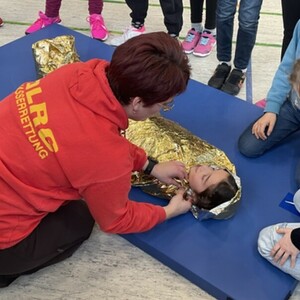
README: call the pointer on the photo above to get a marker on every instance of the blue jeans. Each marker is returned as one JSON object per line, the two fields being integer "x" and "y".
{"x": 267, "y": 239}
{"x": 249, "y": 11}
{"x": 288, "y": 122}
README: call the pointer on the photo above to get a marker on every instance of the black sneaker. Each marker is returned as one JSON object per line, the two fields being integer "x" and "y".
{"x": 234, "y": 82}
{"x": 220, "y": 75}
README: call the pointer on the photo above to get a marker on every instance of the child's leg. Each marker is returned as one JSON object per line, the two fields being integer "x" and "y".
{"x": 210, "y": 16}
{"x": 172, "y": 11}
{"x": 290, "y": 16}
{"x": 288, "y": 121}
{"x": 197, "y": 14}
{"x": 57, "y": 237}
{"x": 139, "y": 11}
{"x": 268, "y": 238}
{"x": 52, "y": 8}
{"x": 95, "y": 7}
{"x": 97, "y": 25}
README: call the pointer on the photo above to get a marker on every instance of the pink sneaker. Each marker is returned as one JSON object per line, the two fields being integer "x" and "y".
{"x": 205, "y": 45}
{"x": 98, "y": 28}
{"x": 42, "y": 22}
{"x": 261, "y": 103}
{"x": 191, "y": 40}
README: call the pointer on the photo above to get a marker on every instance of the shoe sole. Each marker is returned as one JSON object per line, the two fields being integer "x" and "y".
{"x": 205, "y": 54}
{"x": 202, "y": 54}
{"x": 118, "y": 44}
{"x": 115, "y": 45}
{"x": 60, "y": 22}
{"x": 232, "y": 93}
{"x": 188, "y": 51}
{"x": 101, "y": 40}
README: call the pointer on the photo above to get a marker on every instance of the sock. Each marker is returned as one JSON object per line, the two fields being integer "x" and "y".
{"x": 198, "y": 27}
{"x": 137, "y": 25}
{"x": 173, "y": 35}
{"x": 210, "y": 31}
{"x": 243, "y": 70}
{"x": 225, "y": 62}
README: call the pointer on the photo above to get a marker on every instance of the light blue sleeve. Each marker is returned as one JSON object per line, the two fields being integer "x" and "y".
{"x": 281, "y": 85}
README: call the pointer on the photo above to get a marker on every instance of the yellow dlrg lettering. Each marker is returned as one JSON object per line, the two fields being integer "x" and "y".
{"x": 31, "y": 93}
{"x": 41, "y": 113}
{"x": 48, "y": 138}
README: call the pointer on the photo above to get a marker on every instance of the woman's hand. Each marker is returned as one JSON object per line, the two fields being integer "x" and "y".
{"x": 285, "y": 248}
{"x": 264, "y": 126}
{"x": 166, "y": 172}
{"x": 177, "y": 205}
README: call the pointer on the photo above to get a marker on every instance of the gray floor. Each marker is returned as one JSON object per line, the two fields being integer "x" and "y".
{"x": 107, "y": 266}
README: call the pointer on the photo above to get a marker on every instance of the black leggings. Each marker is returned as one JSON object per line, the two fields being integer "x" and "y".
{"x": 290, "y": 15}
{"x": 210, "y": 14}
{"x": 172, "y": 11}
{"x": 56, "y": 238}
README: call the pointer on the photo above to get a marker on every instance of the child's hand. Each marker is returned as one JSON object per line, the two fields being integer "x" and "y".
{"x": 263, "y": 127}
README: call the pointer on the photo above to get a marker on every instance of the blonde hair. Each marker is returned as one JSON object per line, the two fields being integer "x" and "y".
{"x": 295, "y": 75}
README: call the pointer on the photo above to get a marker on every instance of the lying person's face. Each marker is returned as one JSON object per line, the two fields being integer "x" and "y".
{"x": 202, "y": 177}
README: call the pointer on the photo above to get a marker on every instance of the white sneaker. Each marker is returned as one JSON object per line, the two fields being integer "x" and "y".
{"x": 128, "y": 34}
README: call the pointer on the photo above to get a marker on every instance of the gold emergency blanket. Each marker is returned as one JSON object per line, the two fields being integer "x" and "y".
{"x": 166, "y": 140}
{"x": 50, "y": 54}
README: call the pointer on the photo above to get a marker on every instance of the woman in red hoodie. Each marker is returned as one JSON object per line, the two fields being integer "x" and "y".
{"x": 62, "y": 141}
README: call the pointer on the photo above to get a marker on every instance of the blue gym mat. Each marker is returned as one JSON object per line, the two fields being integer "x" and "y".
{"x": 218, "y": 256}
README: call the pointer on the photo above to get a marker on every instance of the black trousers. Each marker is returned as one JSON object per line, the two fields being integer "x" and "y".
{"x": 172, "y": 11}
{"x": 290, "y": 15}
{"x": 210, "y": 13}
{"x": 56, "y": 238}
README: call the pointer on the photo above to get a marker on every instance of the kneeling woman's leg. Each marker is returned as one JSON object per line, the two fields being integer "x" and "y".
{"x": 56, "y": 238}
{"x": 268, "y": 238}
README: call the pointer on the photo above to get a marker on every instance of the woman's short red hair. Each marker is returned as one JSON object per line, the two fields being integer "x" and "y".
{"x": 151, "y": 66}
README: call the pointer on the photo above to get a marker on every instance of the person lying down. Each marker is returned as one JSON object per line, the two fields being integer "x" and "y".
{"x": 212, "y": 184}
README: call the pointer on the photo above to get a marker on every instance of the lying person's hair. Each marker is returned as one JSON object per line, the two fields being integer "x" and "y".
{"x": 216, "y": 194}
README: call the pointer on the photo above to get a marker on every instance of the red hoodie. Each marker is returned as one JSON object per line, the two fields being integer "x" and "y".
{"x": 61, "y": 141}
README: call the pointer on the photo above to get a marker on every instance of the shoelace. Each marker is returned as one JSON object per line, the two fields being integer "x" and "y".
{"x": 39, "y": 21}
{"x": 97, "y": 24}
{"x": 190, "y": 37}
{"x": 204, "y": 40}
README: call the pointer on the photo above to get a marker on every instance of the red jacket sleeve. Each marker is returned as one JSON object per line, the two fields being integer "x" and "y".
{"x": 115, "y": 213}
{"x": 139, "y": 157}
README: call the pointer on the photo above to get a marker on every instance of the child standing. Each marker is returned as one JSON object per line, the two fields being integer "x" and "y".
{"x": 172, "y": 11}
{"x": 201, "y": 40}
{"x": 51, "y": 16}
